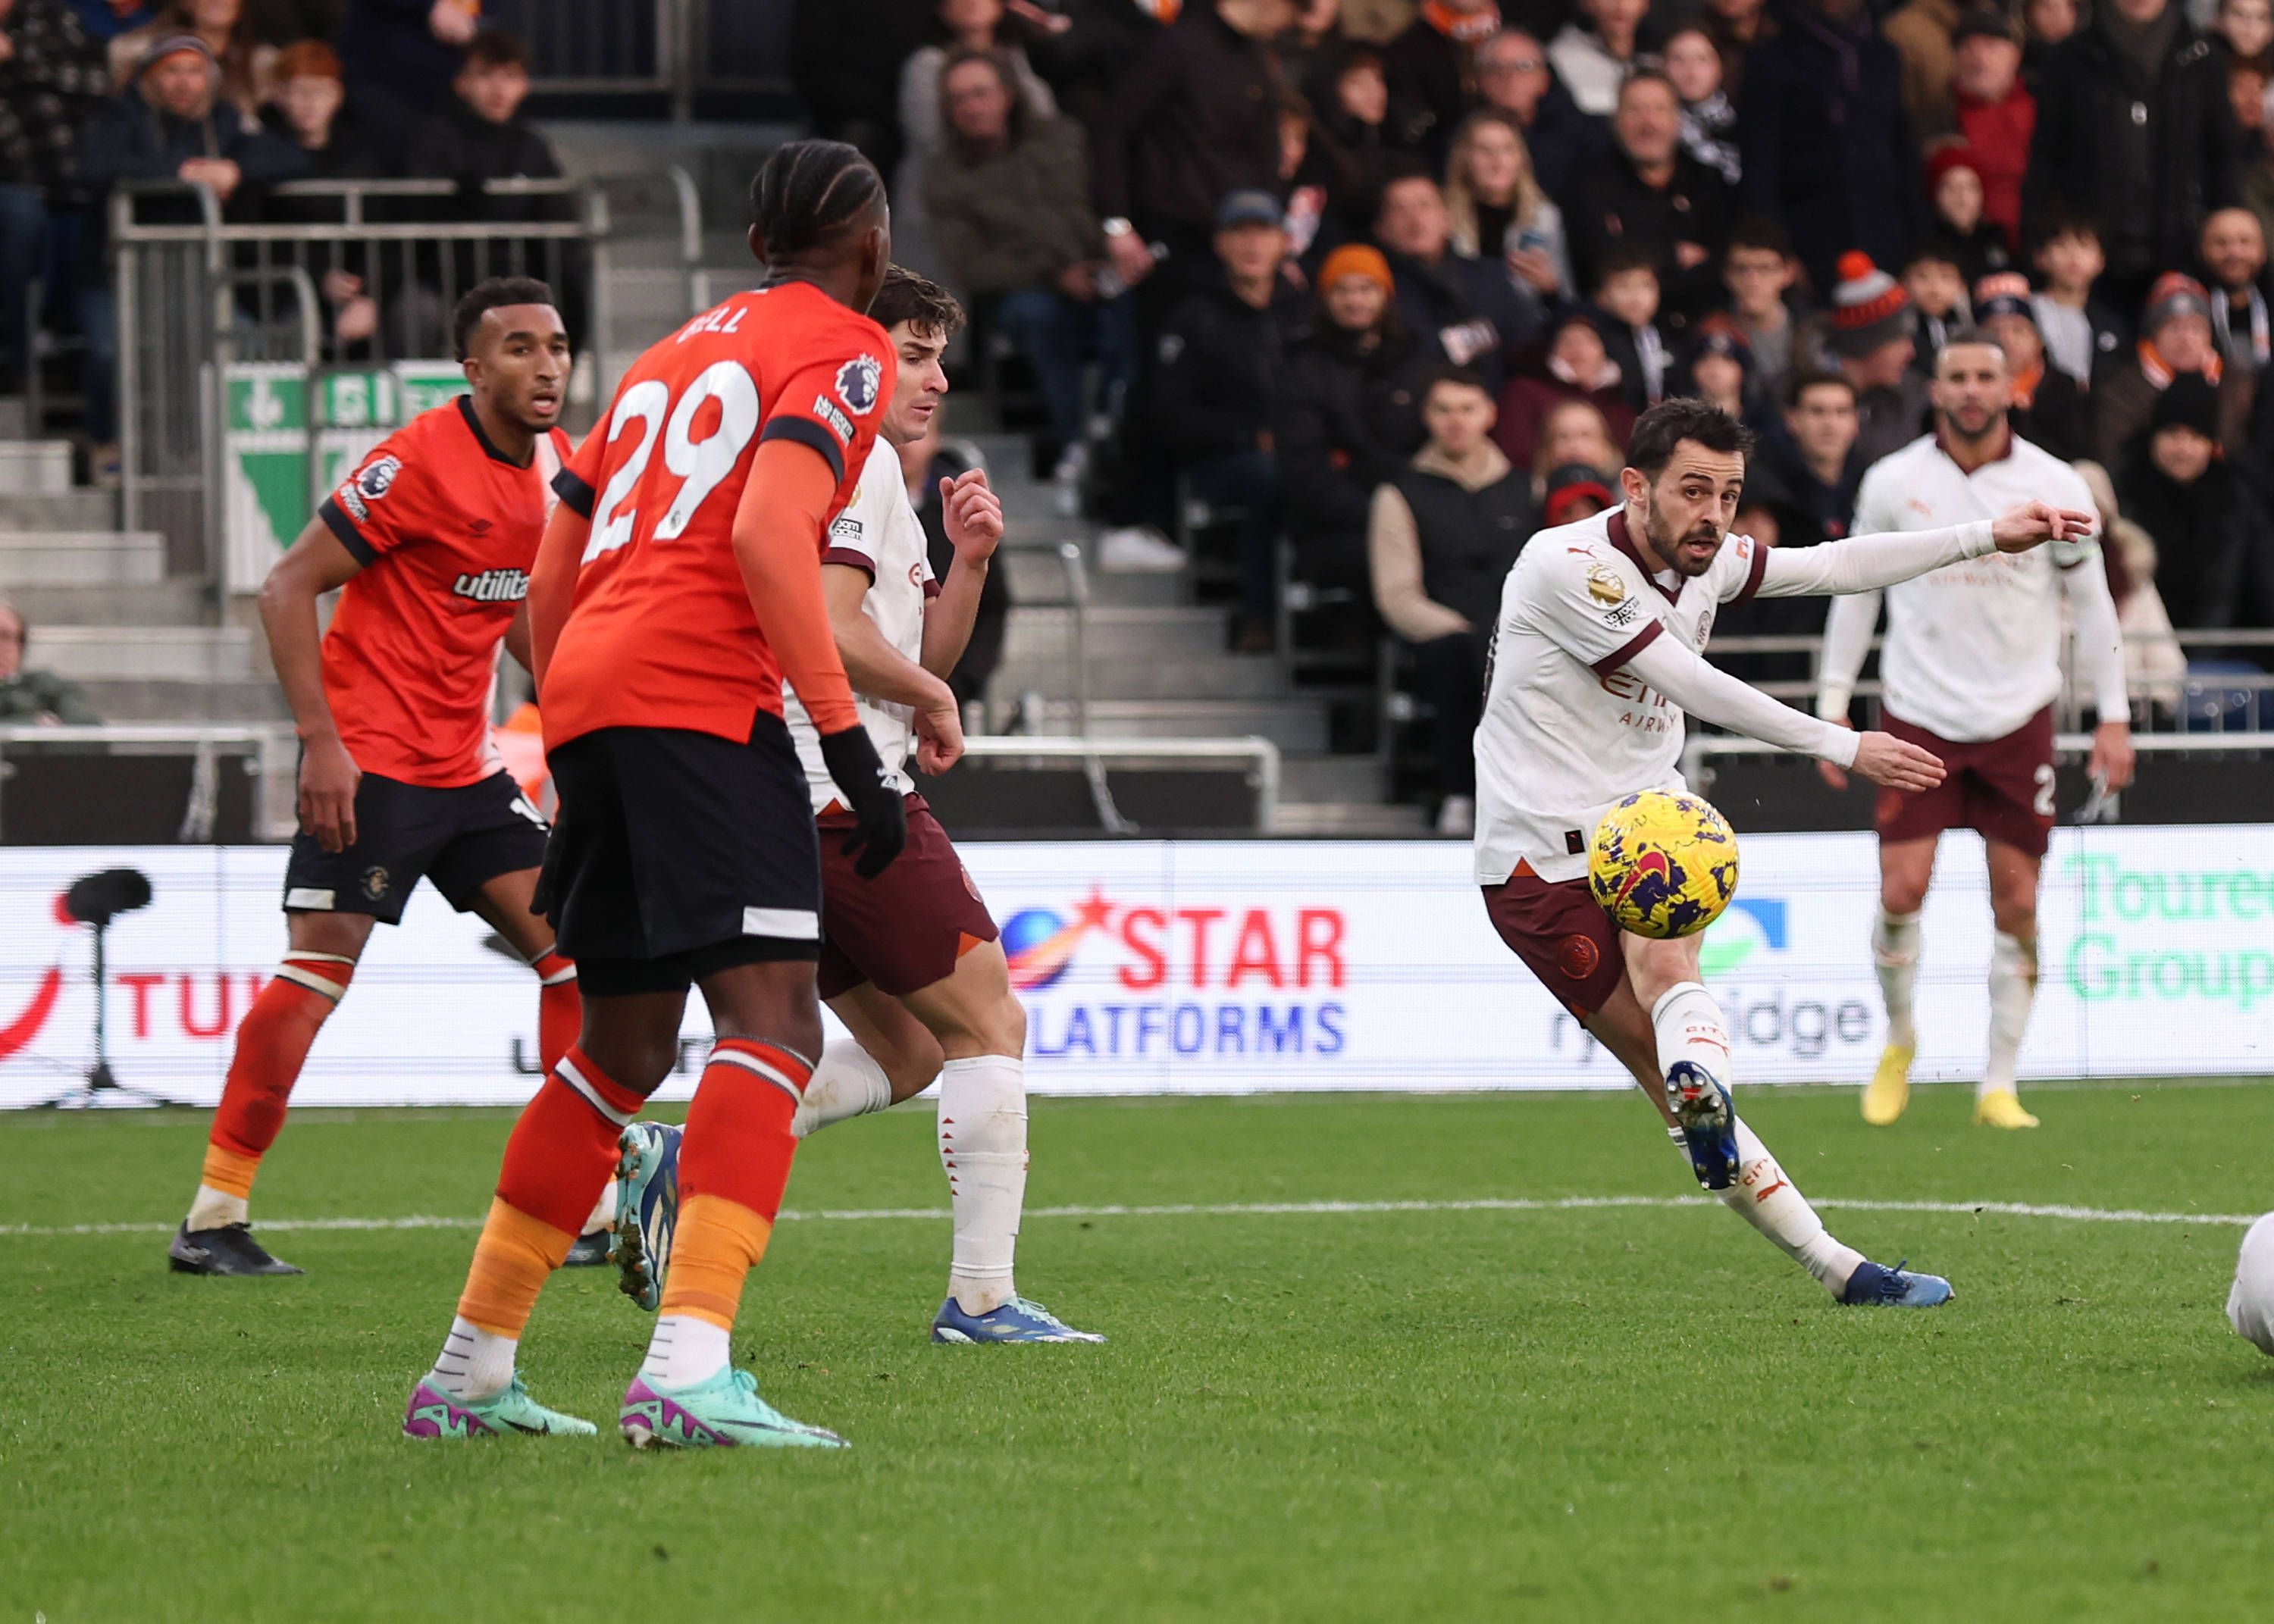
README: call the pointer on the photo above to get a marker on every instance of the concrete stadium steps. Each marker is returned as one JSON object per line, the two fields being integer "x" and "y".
{"x": 1293, "y": 724}
{"x": 74, "y": 509}
{"x": 80, "y": 558}
{"x": 34, "y": 467}
{"x": 1037, "y": 577}
{"x": 1175, "y": 632}
{"x": 243, "y": 699}
{"x": 1222, "y": 677}
{"x": 1349, "y": 820}
{"x": 176, "y": 603}
{"x": 187, "y": 654}
{"x": 15, "y": 418}
{"x": 1352, "y": 779}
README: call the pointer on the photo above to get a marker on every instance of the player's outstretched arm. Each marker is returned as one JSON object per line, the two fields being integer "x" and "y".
{"x": 875, "y": 668}
{"x": 553, "y": 585}
{"x": 776, "y": 538}
{"x": 1866, "y": 563}
{"x": 2100, "y": 650}
{"x": 317, "y": 563}
{"x": 1716, "y": 696}
{"x": 973, "y": 517}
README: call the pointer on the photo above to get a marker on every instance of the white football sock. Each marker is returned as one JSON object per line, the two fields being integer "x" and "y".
{"x": 848, "y": 1082}
{"x": 684, "y": 1350}
{"x": 215, "y": 1209}
{"x": 983, "y": 1145}
{"x": 474, "y": 1364}
{"x": 1766, "y": 1199}
{"x": 1895, "y": 955}
{"x": 604, "y": 1210}
{"x": 1687, "y": 1025}
{"x": 2013, "y": 988}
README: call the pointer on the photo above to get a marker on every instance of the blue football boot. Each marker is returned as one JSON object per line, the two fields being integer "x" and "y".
{"x": 1873, "y": 1286}
{"x": 647, "y": 1210}
{"x": 1708, "y": 1121}
{"x": 1018, "y": 1320}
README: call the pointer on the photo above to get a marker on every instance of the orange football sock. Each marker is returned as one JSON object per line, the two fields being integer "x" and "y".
{"x": 512, "y": 1260}
{"x": 733, "y": 1165}
{"x": 560, "y": 1152}
{"x": 272, "y": 1046}
{"x": 560, "y": 1007}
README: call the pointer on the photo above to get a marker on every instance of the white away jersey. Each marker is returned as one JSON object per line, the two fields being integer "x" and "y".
{"x": 1566, "y": 732}
{"x": 877, "y": 532}
{"x": 1973, "y": 649}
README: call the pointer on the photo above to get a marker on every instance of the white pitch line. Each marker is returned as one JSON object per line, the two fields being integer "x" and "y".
{"x": 1261, "y": 1209}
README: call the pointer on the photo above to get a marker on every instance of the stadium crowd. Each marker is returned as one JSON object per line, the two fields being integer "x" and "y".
{"x": 1293, "y": 248}
{"x": 1277, "y": 245}
{"x": 243, "y": 96}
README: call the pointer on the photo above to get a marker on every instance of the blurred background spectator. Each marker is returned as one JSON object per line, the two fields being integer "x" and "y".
{"x": 1646, "y": 193}
{"x": 1009, "y": 200}
{"x": 1221, "y": 356}
{"x": 962, "y": 26}
{"x": 2051, "y": 408}
{"x": 1871, "y": 347}
{"x": 1759, "y": 276}
{"x": 2233, "y": 257}
{"x": 1575, "y": 365}
{"x": 1993, "y": 113}
{"x": 1596, "y": 51}
{"x": 2085, "y": 335}
{"x": 2175, "y": 340}
{"x": 1468, "y": 312}
{"x": 1709, "y": 118}
{"x": 1513, "y": 76}
{"x": 407, "y": 53}
{"x": 1499, "y": 210}
{"x": 1432, "y": 63}
{"x": 51, "y": 78}
{"x": 2134, "y": 125}
{"x": 1828, "y": 147}
{"x": 1350, "y": 416}
{"x": 248, "y": 65}
{"x": 2214, "y": 547}
{"x": 1442, "y": 536}
{"x": 29, "y": 695}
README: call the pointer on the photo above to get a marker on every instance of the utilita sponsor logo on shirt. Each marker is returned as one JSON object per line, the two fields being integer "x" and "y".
{"x": 1180, "y": 981}
{"x": 493, "y": 586}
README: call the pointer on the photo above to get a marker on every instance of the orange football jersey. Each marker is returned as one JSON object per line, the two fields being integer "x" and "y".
{"x": 446, "y": 527}
{"x": 660, "y": 632}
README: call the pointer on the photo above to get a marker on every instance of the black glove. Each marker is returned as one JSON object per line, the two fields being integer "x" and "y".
{"x": 880, "y": 821}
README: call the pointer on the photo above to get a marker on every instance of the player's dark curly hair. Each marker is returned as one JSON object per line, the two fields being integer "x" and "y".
{"x": 494, "y": 294}
{"x": 923, "y": 304}
{"x": 809, "y": 190}
{"x": 1667, "y": 424}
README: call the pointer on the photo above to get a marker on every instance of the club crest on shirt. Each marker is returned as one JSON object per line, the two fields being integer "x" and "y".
{"x": 859, "y": 382}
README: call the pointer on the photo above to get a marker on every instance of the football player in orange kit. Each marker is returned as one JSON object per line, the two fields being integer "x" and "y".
{"x": 679, "y": 583}
{"x": 429, "y": 543}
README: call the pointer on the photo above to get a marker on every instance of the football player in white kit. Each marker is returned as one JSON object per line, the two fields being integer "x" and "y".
{"x": 1971, "y": 667}
{"x": 1595, "y": 664}
{"x": 911, "y": 961}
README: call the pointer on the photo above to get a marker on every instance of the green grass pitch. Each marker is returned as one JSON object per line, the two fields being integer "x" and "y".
{"x": 1590, "y": 1413}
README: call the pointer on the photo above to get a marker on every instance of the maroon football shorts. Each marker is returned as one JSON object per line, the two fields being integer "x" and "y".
{"x": 1562, "y": 934}
{"x": 907, "y": 928}
{"x": 2000, "y": 788}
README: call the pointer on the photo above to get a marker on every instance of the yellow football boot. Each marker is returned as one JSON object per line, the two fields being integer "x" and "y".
{"x": 1890, "y": 1088}
{"x": 2001, "y": 1110}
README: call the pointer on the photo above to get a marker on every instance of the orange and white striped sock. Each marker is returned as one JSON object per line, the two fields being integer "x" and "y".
{"x": 562, "y": 1151}
{"x": 272, "y": 1046}
{"x": 733, "y": 1164}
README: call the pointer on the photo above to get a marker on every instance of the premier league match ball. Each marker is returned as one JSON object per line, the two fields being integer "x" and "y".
{"x": 1663, "y": 865}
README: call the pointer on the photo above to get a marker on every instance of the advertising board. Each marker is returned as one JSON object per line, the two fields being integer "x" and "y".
{"x": 1161, "y": 967}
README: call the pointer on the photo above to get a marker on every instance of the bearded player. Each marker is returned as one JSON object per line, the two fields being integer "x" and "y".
{"x": 910, "y": 960}
{"x": 679, "y": 583}
{"x": 429, "y": 543}
{"x": 1970, "y": 669}
{"x": 1595, "y": 664}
